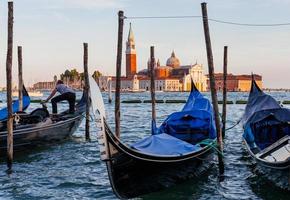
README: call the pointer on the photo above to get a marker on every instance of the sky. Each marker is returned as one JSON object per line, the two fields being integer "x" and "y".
{"x": 52, "y": 32}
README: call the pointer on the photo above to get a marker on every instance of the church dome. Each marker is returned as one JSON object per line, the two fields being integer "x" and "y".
{"x": 173, "y": 61}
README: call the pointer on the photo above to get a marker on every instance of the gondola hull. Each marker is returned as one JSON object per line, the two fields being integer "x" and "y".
{"x": 134, "y": 174}
{"x": 131, "y": 177}
{"x": 267, "y": 135}
{"x": 35, "y": 136}
{"x": 175, "y": 153}
{"x": 278, "y": 173}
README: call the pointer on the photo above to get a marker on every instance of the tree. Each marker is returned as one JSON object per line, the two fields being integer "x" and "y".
{"x": 96, "y": 74}
{"x": 74, "y": 75}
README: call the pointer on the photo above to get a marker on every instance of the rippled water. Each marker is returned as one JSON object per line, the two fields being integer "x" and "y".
{"x": 73, "y": 170}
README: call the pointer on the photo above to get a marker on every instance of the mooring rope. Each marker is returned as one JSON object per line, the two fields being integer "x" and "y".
{"x": 91, "y": 119}
{"x": 209, "y": 142}
{"x": 234, "y": 125}
{"x": 210, "y": 19}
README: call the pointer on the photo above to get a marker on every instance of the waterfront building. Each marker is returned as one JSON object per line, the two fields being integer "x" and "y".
{"x": 103, "y": 82}
{"x": 170, "y": 77}
{"x": 174, "y": 70}
{"x": 161, "y": 84}
{"x": 44, "y": 85}
{"x": 236, "y": 83}
{"x": 127, "y": 84}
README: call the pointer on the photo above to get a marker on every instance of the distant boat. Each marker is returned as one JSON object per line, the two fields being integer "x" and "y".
{"x": 267, "y": 133}
{"x": 39, "y": 128}
{"x": 15, "y": 105}
{"x": 31, "y": 93}
{"x": 180, "y": 149}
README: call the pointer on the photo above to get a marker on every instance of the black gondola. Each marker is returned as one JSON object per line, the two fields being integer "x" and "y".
{"x": 39, "y": 127}
{"x": 15, "y": 105}
{"x": 144, "y": 168}
{"x": 267, "y": 132}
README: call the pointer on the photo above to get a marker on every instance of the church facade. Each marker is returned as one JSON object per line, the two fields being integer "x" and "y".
{"x": 169, "y": 77}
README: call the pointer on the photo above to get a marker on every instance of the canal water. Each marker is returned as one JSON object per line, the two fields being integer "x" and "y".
{"x": 73, "y": 170}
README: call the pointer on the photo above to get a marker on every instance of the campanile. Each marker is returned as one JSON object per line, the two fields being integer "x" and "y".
{"x": 131, "y": 62}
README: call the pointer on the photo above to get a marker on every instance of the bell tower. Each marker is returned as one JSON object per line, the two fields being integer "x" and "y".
{"x": 131, "y": 61}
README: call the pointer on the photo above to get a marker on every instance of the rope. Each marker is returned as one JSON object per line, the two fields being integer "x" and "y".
{"x": 209, "y": 142}
{"x": 210, "y": 19}
{"x": 91, "y": 119}
{"x": 163, "y": 17}
{"x": 234, "y": 125}
{"x": 246, "y": 24}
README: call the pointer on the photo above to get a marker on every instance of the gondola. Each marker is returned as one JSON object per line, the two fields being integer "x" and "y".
{"x": 39, "y": 127}
{"x": 180, "y": 149}
{"x": 267, "y": 132}
{"x": 15, "y": 105}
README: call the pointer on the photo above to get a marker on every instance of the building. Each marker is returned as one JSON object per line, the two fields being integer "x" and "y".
{"x": 131, "y": 59}
{"x": 174, "y": 70}
{"x": 170, "y": 77}
{"x": 127, "y": 84}
{"x": 236, "y": 83}
{"x": 161, "y": 84}
{"x": 47, "y": 85}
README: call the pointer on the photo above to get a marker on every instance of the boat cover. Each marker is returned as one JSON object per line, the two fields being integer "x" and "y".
{"x": 264, "y": 121}
{"x": 188, "y": 127}
{"x": 164, "y": 144}
{"x": 15, "y": 105}
{"x": 258, "y": 101}
{"x": 194, "y": 122}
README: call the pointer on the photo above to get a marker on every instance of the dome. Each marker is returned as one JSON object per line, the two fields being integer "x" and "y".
{"x": 173, "y": 61}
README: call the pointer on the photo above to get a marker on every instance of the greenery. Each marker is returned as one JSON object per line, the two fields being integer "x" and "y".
{"x": 73, "y": 75}
{"x": 96, "y": 74}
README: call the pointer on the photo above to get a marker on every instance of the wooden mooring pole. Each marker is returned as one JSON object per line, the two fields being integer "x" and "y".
{"x": 225, "y": 74}
{"x": 87, "y": 89}
{"x": 20, "y": 78}
{"x": 9, "y": 87}
{"x": 212, "y": 87}
{"x": 152, "y": 78}
{"x": 118, "y": 72}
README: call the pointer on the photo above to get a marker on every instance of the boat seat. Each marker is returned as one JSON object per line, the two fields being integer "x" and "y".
{"x": 36, "y": 116}
{"x": 268, "y": 131}
{"x": 41, "y": 113}
{"x": 277, "y": 152}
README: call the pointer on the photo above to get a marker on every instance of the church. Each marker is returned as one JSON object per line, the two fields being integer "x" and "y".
{"x": 169, "y": 77}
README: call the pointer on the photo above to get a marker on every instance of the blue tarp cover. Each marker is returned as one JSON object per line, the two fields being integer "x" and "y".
{"x": 264, "y": 121}
{"x": 267, "y": 130}
{"x": 15, "y": 107}
{"x": 193, "y": 121}
{"x": 193, "y": 124}
{"x": 258, "y": 101}
{"x": 164, "y": 144}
